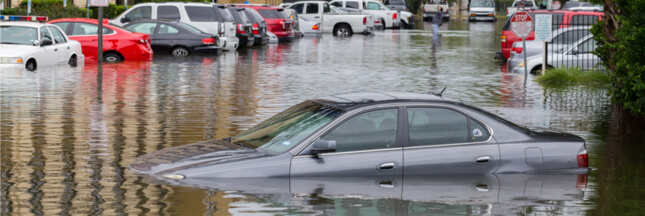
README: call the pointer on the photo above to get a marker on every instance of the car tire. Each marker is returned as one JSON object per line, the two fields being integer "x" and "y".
{"x": 112, "y": 58}
{"x": 73, "y": 61}
{"x": 343, "y": 31}
{"x": 31, "y": 65}
{"x": 180, "y": 52}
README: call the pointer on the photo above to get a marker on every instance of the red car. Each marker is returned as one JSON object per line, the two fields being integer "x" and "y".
{"x": 565, "y": 18}
{"x": 118, "y": 44}
{"x": 276, "y": 21}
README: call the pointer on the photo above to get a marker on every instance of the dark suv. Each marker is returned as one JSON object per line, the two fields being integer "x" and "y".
{"x": 242, "y": 26}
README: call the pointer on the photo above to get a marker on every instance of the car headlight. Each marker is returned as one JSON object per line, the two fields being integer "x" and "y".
{"x": 174, "y": 176}
{"x": 521, "y": 64}
{"x": 10, "y": 60}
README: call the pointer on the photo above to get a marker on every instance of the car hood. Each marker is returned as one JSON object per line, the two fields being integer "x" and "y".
{"x": 482, "y": 9}
{"x": 14, "y": 50}
{"x": 191, "y": 156}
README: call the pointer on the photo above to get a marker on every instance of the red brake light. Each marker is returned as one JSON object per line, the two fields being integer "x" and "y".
{"x": 240, "y": 29}
{"x": 394, "y": 16}
{"x": 583, "y": 159}
{"x": 256, "y": 29}
{"x": 315, "y": 27}
{"x": 209, "y": 40}
{"x": 517, "y": 50}
{"x": 364, "y": 20}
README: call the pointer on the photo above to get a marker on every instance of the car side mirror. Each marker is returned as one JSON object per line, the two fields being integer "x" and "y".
{"x": 323, "y": 146}
{"x": 36, "y": 43}
{"x": 46, "y": 42}
{"x": 125, "y": 20}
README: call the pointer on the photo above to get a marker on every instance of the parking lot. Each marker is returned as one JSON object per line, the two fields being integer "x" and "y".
{"x": 69, "y": 134}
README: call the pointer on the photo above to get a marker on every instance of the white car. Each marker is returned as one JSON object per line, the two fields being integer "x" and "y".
{"x": 333, "y": 21}
{"x": 579, "y": 54}
{"x": 389, "y": 18}
{"x": 482, "y": 10}
{"x": 31, "y": 45}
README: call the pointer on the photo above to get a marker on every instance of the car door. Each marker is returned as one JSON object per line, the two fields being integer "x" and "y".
{"x": 63, "y": 48}
{"x": 584, "y": 57}
{"x": 166, "y": 37}
{"x": 147, "y": 28}
{"x": 49, "y": 53}
{"x": 87, "y": 35}
{"x": 444, "y": 140}
{"x": 367, "y": 144}
{"x": 313, "y": 12}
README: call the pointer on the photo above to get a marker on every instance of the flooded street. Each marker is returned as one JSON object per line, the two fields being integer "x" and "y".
{"x": 68, "y": 135}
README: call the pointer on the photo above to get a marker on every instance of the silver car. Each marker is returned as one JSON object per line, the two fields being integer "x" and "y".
{"x": 561, "y": 38}
{"x": 579, "y": 54}
{"x": 373, "y": 134}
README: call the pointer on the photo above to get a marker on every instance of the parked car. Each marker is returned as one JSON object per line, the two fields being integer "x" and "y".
{"x": 373, "y": 134}
{"x": 528, "y": 5}
{"x": 31, "y": 45}
{"x": 482, "y": 10}
{"x": 276, "y": 21}
{"x": 579, "y": 54}
{"x": 202, "y": 16}
{"x": 175, "y": 38}
{"x": 389, "y": 18}
{"x": 336, "y": 22}
{"x": 258, "y": 27}
{"x": 430, "y": 8}
{"x": 118, "y": 44}
{"x": 561, "y": 19}
{"x": 308, "y": 27}
{"x": 243, "y": 26}
{"x": 561, "y": 38}
{"x": 295, "y": 19}
{"x": 397, "y": 5}
{"x": 573, "y": 4}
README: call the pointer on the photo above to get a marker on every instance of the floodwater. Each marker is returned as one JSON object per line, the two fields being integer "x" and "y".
{"x": 68, "y": 135}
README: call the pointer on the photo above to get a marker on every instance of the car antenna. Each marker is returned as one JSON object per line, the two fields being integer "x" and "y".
{"x": 440, "y": 93}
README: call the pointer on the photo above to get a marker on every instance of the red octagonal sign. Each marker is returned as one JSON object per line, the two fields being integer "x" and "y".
{"x": 521, "y": 24}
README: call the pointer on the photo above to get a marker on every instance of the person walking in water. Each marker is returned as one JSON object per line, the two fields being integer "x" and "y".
{"x": 436, "y": 21}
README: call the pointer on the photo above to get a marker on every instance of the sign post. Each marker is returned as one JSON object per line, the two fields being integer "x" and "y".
{"x": 28, "y": 7}
{"x": 100, "y": 4}
{"x": 543, "y": 32}
{"x": 521, "y": 26}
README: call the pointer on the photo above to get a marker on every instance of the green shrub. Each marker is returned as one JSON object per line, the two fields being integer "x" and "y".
{"x": 53, "y": 9}
{"x": 109, "y": 12}
{"x": 558, "y": 77}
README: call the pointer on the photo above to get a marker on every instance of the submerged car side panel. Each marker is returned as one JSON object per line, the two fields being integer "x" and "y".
{"x": 267, "y": 166}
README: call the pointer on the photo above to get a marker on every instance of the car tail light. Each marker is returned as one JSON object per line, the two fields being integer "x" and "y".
{"x": 507, "y": 11}
{"x": 209, "y": 41}
{"x": 256, "y": 29}
{"x": 503, "y": 41}
{"x": 583, "y": 159}
{"x": 377, "y": 21}
{"x": 240, "y": 29}
{"x": 517, "y": 50}
{"x": 394, "y": 16}
{"x": 364, "y": 20}
{"x": 315, "y": 27}
{"x": 142, "y": 41}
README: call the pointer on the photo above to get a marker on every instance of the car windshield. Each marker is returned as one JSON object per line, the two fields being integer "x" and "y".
{"x": 288, "y": 128}
{"x": 436, "y": 2}
{"x": 481, "y": 3}
{"x": 18, "y": 35}
{"x": 526, "y": 3}
{"x": 396, "y": 2}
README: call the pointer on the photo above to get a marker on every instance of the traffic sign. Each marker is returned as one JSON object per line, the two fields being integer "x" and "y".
{"x": 521, "y": 24}
{"x": 543, "y": 27}
{"x": 99, "y": 3}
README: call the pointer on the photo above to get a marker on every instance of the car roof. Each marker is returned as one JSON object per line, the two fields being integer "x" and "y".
{"x": 22, "y": 23}
{"x": 354, "y": 100}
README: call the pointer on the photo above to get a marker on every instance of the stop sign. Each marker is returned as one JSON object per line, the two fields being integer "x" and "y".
{"x": 521, "y": 24}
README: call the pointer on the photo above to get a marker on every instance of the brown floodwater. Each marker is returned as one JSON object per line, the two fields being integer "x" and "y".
{"x": 68, "y": 134}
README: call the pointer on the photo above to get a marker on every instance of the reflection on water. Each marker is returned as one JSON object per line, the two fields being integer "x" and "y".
{"x": 68, "y": 135}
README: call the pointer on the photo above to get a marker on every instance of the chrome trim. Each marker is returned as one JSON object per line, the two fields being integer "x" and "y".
{"x": 350, "y": 152}
{"x": 317, "y": 135}
{"x": 389, "y": 165}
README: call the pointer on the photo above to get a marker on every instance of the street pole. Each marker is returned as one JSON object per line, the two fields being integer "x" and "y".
{"x": 526, "y": 65}
{"x": 100, "y": 41}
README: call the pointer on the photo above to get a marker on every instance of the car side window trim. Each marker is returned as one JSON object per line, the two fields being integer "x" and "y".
{"x": 400, "y": 133}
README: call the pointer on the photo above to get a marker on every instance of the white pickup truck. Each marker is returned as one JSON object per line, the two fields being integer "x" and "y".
{"x": 382, "y": 14}
{"x": 529, "y": 4}
{"x": 336, "y": 22}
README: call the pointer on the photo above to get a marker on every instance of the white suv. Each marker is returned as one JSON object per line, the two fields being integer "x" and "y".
{"x": 210, "y": 18}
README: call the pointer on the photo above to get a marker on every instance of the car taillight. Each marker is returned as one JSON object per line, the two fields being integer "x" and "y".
{"x": 503, "y": 41}
{"x": 240, "y": 29}
{"x": 256, "y": 29}
{"x": 507, "y": 11}
{"x": 583, "y": 159}
{"x": 315, "y": 27}
{"x": 209, "y": 41}
{"x": 142, "y": 41}
{"x": 377, "y": 21}
{"x": 394, "y": 16}
{"x": 517, "y": 50}
{"x": 364, "y": 20}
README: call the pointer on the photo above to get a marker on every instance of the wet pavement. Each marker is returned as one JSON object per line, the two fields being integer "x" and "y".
{"x": 68, "y": 134}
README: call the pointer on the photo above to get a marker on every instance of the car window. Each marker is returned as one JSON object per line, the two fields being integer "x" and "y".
{"x": 166, "y": 29}
{"x": 326, "y": 8}
{"x": 146, "y": 28}
{"x": 190, "y": 28}
{"x": 44, "y": 33}
{"x": 144, "y": 12}
{"x": 584, "y": 20}
{"x": 62, "y": 25}
{"x": 312, "y": 8}
{"x": 270, "y": 14}
{"x": 201, "y": 14}
{"x": 337, "y": 4}
{"x": 587, "y": 46}
{"x": 168, "y": 13}
{"x": 58, "y": 36}
{"x": 373, "y": 6}
{"x": 477, "y": 131}
{"x": 481, "y": 3}
{"x": 18, "y": 35}
{"x": 434, "y": 126}
{"x": 88, "y": 29}
{"x": 571, "y": 36}
{"x": 352, "y": 4}
{"x": 298, "y": 7}
{"x": 370, "y": 130}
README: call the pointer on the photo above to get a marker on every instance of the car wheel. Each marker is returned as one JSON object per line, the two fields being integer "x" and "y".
{"x": 31, "y": 65}
{"x": 72, "y": 61}
{"x": 180, "y": 52}
{"x": 343, "y": 31}
{"x": 112, "y": 58}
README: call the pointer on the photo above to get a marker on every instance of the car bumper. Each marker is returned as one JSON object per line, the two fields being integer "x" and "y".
{"x": 430, "y": 15}
{"x": 368, "y": 30}
{"x": 244, "y": 40}
{"x": 286, "y": 39}
{"x": 259, "y": 40}
{"x": 207, "y": 49}
{"x": 482, "y": 18}
{"x": 396, "y": 24}
{"x": 230, "y": 44}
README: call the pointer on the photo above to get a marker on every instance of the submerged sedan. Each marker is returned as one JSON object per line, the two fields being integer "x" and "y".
{"x": 373, "y": 134}
{"x": 175, "y": 38}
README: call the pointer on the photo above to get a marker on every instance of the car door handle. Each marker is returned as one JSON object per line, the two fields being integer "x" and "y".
{"x": 482, "y": 159}
{"x": 56, "y": 50}
{"x": 67, "y": 47}
{"x": 387, "y": 166}
{"x": 316, "y": 17}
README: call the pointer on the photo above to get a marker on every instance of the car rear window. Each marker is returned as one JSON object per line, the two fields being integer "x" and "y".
{"x": 226, "y": 15}
{"x": 201, "y": 14}
{"x": 270, "y": 14}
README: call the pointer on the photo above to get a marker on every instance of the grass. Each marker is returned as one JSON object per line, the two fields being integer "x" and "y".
{"x": 558, "y": 77}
